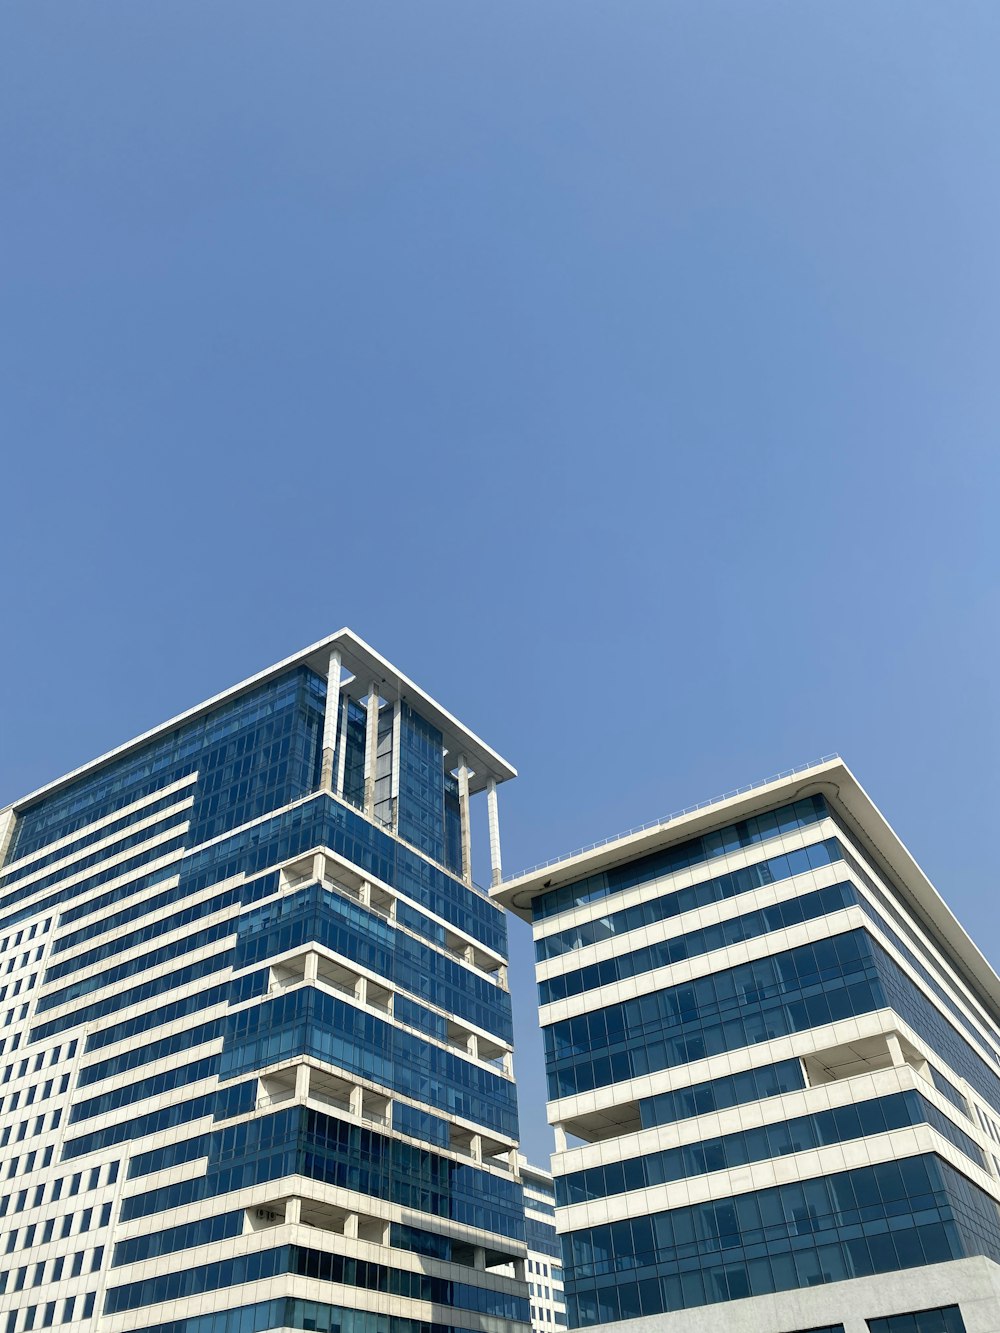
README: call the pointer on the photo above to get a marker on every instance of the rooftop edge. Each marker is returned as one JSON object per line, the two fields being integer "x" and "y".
{"x": 359, "y": 660}
{"x": 830, "y": 778}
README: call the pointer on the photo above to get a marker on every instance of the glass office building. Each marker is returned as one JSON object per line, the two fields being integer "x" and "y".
{"x": 544, "y": 1263}
{"x": 255, "y": 1031}
{"x": 773, "y": 1062}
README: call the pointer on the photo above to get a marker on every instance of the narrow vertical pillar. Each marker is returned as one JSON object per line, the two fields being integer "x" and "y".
{"x": 330, "y": 719}
{"x": 301, "y": 1082}
{"x": 494, "y": 816}
{"x": 7, "y": 821}
{"x": 560, "y": 1137}
{"x": 895, "y": 1050}
{"x": 397, "y": 710}
{"x": 357, "y": 1101}
{"x": 293, "y": 1211}
{"x": 351, "y": 1226}
{"x": 463, "y": 810}
{"x": 342, "y": 751}
{"x": 371, "y": 750}
{"x": 311, "y": 970}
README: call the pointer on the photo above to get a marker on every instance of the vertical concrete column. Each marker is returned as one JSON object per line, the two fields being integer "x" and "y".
{"x": 351, "y": 1225}
{"x": 895, "y": 1050}
{"x": 7, "y": 821}
{"x": 560, "y": 1135}
{"x": 311, "y": 972}
{"x": 342, "y": 750}
{"x": 476, "y": 1147}
{"x": 397, "y": 710}
{"x": 361, "y": 990}
{"x": 463, "y": 810}
{"x": 371, "y": 749}
{"x": 293, "y": 1211}
{"x": 301, "y": 1082}
{"x": 357, "y": 1101}
{"x": 330, "y": 719}
{"x": 319, "y": 867}
{"x": 494, "y": 816}
{"x": 472, "y": 1045}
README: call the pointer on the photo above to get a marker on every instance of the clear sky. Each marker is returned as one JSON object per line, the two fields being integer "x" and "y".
{"x": 627, "y": 372}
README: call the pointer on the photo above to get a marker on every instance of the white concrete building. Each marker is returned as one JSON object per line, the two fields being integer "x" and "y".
{"x": 774, "y": 1074}
{"x": 255, "y": 1035}
{"x": 544, "y": 1263}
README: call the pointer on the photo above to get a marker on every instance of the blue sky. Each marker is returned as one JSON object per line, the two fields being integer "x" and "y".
{"x": 627, "y": 373}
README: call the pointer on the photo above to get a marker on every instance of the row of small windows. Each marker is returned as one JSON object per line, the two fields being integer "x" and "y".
{"x": 41, "y": 1060}
{"x": 16, "y": 1015}
{"x": 33, "y": 1126}
{"x": 35, "y": 1092}
{"x": 541, "y": 1315}
{"x": 15, "y": 961}
{"x": 21, "y": 1165}
{"x": 544, "y": 1270}
{"x": 51, "y": 1270}
{"x": 542, "y": 1291}
{"x": 51, "y": 1313}
{"x": 24, "y": 936}
{"x": 70, "y": 1224}
{"x": 50, "y": 1191}
{"x": 14, "y": 988}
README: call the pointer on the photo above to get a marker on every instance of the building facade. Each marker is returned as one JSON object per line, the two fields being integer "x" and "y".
{"x": 544, "y": 1264}
{"x": 255, "y": 1031}
{"x": 773, "y": 1059}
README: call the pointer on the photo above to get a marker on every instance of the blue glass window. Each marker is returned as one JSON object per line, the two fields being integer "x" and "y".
{"x": 681, "y": 856}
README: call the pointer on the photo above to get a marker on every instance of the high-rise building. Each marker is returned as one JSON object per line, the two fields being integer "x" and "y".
{"x": 773, "y": 1061}
{"x": 544, "y": 1263}
{"x": 255, "y": 1032}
